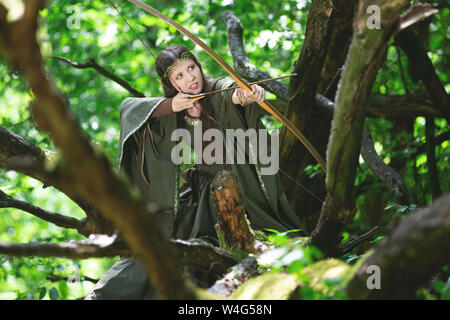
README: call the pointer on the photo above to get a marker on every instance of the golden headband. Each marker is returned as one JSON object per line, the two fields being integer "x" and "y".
{"x": 184, "y": 56}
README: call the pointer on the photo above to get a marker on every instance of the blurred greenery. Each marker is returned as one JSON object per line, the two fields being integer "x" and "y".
{"x": 273, "y": 34}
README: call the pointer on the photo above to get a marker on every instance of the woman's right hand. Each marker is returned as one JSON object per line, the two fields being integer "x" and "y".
{"x": 181, "y": 102}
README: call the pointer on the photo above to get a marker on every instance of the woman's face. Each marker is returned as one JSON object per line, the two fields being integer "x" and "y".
{"x": 187, "y": 77}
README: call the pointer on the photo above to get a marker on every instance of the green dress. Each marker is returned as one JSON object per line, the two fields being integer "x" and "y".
{"x": 187, "y": 211}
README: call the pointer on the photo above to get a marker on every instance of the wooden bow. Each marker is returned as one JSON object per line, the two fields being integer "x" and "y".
{"x": 241, "y": 82}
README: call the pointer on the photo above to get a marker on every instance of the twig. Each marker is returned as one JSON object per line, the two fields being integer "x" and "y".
{"x": 94, "y": 65}
{"x": 353, "y": 243}
{"x": 57, "y": 219}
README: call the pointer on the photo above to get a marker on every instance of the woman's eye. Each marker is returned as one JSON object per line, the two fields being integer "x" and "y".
{"x": 179, "y": 76}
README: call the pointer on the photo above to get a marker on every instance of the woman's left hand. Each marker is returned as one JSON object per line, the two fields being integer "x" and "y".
{"x": 242, "y": 97}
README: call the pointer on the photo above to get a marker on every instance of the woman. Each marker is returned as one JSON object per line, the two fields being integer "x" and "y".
{"x": 146, "y": 155}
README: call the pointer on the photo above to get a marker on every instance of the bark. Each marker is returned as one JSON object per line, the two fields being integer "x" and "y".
{"x": 341, "y": 33}
{"x": 367, "y": 49}
{"x": 241, "y": 61}
{"x": 302, "y": 92}
{"x": 417, "y": 248}
{"x": 17, "y": 153}
{"x": 400, "y": 107}
{"x": 235, "y": 277}
{"x": 84, "y": 170}
{"x": 55, "y": 218}
{"x": 203, "y": 256}
{"x": 194, "y": 254}
{"x": 70, "y": 250}
{"x": 233, "y": 228}
{"x": 374, "y": 205}
{"x": 351, "y": 244}
{"x": 386, "y": 174}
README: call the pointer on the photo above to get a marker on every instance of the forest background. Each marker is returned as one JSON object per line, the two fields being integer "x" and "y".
{"x": 273, "y": 35}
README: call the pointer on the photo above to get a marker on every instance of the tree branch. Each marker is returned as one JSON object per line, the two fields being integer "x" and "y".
{"x": 195, "y": 254}
{"x": 383, "y": 106}
{"x": 203, "y": 256}
{"x": 57, "y": 219}
{"x": 94, "y": 65}
{"x": 400, "y": 106}
{"x": 416, "y": 249}
{"x": 356, "y": 241}
{"x": 240, "y": 58}
{"x": 235, "y": 276}
{"x": 386, "y": 174}
{"x": 70, "y": 250}
{"x": 16, "y": 153}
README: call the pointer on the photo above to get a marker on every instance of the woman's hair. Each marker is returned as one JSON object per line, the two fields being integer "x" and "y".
{"x": 167, "y": 58}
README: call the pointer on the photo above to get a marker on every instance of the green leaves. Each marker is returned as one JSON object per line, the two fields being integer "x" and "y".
{"x": 442, "y": 288}
{"x": 279, "y": 238}
{"x": 288, "y": 254}
{"x": 42, "y": 292}
{"x": 53, "y": 293}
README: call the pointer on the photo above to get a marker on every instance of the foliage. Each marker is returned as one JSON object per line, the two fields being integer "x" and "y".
{"x": 318, "y": 278}
{"x": 273, "y": 35}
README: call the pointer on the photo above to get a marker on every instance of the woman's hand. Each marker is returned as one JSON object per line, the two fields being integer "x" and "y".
{"x": 181, "y": 102}
{"x": 242, "y": 97}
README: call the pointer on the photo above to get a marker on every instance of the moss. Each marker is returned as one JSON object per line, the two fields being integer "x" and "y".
{"x": 270, "y": 286}
{"x": 326, "y": 276}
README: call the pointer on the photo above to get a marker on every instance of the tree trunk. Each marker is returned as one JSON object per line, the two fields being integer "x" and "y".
{"x": 233, "y": 228}
{"x": 367, "y": 49}
{"x": 302, "y": 91}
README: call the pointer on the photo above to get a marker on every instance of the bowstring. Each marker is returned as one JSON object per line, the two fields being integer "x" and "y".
{"x": 134, "y": 31}
{"x": 202, "y": 111}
